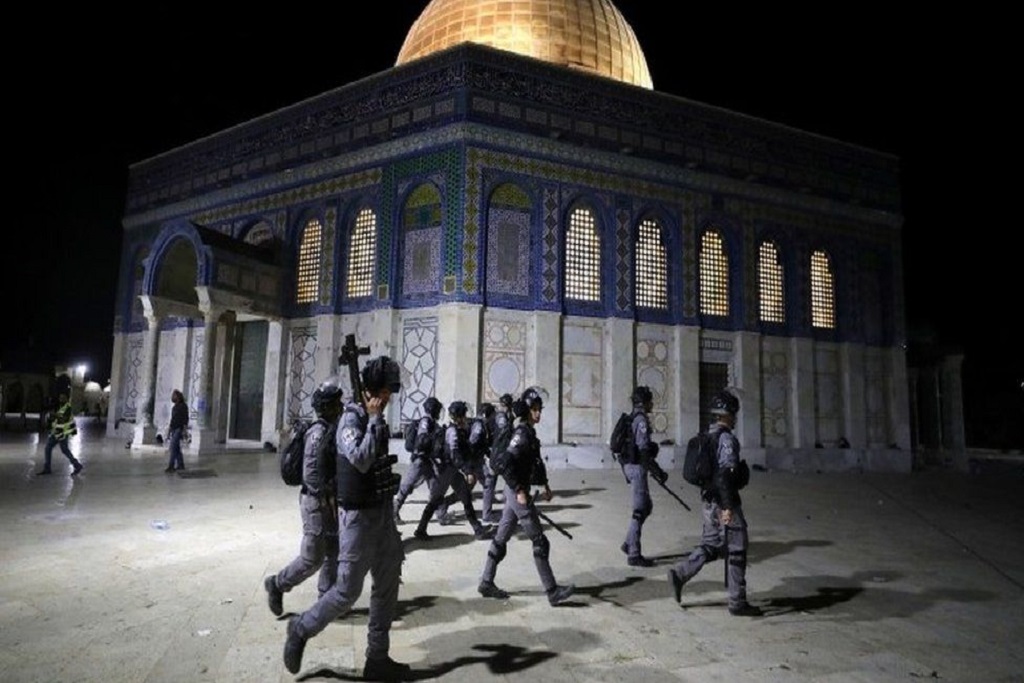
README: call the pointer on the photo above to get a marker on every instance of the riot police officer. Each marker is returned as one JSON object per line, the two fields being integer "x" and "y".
{"x": 637, "y": 460}
{"x": 724, "y": 526}
{"x": 368, "y": 537}
{"x": 521, "y": 465}
{"x": 317, "y": 506}
{"x": 456, "y": 471}
{"x": 421, "y": 464}
{"x": 481, "y": 434}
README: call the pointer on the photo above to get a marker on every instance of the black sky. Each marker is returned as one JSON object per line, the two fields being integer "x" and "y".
{"x": 117, "y": 89}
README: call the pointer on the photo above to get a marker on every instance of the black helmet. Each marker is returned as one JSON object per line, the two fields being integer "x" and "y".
{"x": 486, "y": 410}
{"x": 381, "y": 373}
{"x": 641, "y": 395}
{"x": 457, "y": 409}
{"x": 532, "y": 398}
{"x": 433, "y": 407}
{"x": 328, "y": 392}
{"x": 519, "y": 408}
{"x": 506, "y": 400}
{"x": 724, "y": 403}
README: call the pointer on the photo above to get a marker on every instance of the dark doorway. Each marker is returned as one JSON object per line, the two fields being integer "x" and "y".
{"x": 713, "y": 378}
{"x": 249, "y": 368}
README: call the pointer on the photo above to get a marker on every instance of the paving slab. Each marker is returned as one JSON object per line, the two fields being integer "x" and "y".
{"x": 125, "y": 573}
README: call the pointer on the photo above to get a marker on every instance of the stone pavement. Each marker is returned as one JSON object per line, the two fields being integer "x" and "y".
{"x": 125, "y": 573}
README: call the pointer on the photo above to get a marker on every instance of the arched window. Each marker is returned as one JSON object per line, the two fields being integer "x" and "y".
{"x": 362, "y": 254}
{"x": 823, "y": 302}
{"x": 508, "y": 241}
{"x": 714, "y": 275}
{"x": 582, "y": 257}
{"x": 651, "y": 266}
{"x": 307, "y": 276}
{"x": 772, "y": 296}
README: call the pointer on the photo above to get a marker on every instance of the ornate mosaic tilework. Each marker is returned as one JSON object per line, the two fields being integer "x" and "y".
{"x": 692, "y": 205}
{"x": 504, "y": 354}
{"x": 653, "y": 369}
{"x": 471, "y": 229}
{"x": 327, "y": 269}
{"x": 422, "y": 263}
{"x": 195, "y": 371}
{"x": 827, "y": 398}
{"x": 623, "y": 261}
{"x": 134, "y": 360}
{"x": 508, "y": 251}
{"x": 301, "y": 382}
{"x": 550, "y": 284}
{"x": 419, "y": 359}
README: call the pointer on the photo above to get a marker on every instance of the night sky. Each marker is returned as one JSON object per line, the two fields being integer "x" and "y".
{"x": 117, "y": 89}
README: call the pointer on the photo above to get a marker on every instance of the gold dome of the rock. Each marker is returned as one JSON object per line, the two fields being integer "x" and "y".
{"x": 590, "y": 35}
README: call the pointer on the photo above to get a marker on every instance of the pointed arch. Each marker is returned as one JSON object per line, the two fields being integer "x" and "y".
{"x": 823, "y": 301}
{"x": 714, "y": 274}
{"x": 771, "y": 280}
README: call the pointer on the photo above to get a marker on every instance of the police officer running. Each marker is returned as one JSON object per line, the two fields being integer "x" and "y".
{"x": 61, "y": 429}
{"x": 368, "y": 537}
{"x": 317, "y": 503}
{"x": 456, "y": 471}
{"x": 421, "y": 466}
{"x": 639, "y": 459}
{"x": 724, "y": 526}
{"x": 524, "y": 466}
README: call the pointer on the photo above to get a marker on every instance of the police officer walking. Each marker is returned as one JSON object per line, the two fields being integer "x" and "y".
{"x": 481, "y": 434}
{"x": 724, "y": 526}
{"x": 456, "y": 471}
{"x": 317, "y": 503}
{"x": 639, "y": 459}
{"x": 523, "y": 467}
{"x": 421, "y": 466}
{"x": 368, "y": 537}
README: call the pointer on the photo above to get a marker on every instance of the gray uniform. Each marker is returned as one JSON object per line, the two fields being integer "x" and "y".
{"x": 369, "y": 541}
{"x": 716, "y": 540}
{"x": 636, "y": 473}
{"x": 526, "y": 466}
{"x": 319, "y": 547}
{"x": 450, "y": 473}
{"x": 421, "y": 467}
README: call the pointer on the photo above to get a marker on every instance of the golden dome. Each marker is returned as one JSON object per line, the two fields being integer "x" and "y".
{"x": 590, "y": 35}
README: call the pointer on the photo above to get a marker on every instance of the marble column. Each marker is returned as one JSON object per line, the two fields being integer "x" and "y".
{"x": 145, "y": 431}
{"x": 203, "y": 432}
{"x": 273, "y": 429}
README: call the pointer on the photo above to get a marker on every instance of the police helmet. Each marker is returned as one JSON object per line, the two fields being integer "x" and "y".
{"x": 641, "y": 395}
{"x": 724, "y": 403}
{"x": 328, "y": 392}
{"x": 433, "y": 407}
{"x": 506, "y": 400}
{"x": 382, "y": 373}
{"x": 457, "y": 409}
{"x": 519, "y": 408}
{"x": 532, "y": 398}
{"x": 486, "y": 410}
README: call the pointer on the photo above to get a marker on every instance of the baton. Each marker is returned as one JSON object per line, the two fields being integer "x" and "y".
{"x": 547, "y": 519}
{"x": 673, "y": 494}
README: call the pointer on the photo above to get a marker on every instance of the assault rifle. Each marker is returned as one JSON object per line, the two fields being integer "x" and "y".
{"x": 547, "y": 519}
{"x": 387, "y": 481}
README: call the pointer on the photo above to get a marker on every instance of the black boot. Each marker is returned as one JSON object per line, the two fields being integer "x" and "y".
{"x": 386, "y": 669}
{"x": 560, "y": 594}
{"x": 275, "y": 598}
{"x": 489, "y": 590}
{"x": 294, "y": 646}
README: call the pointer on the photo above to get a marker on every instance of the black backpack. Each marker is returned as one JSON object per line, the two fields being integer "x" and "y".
{"x": 410, "y": 435}
{"x": 291, "y": 456}
{"x": 621, "y": 441}
{"x": 700, "y": 460}
{"x": 502, "y": 437}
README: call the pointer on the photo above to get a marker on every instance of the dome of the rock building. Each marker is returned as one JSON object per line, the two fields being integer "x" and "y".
{"x": 590, "y": 35}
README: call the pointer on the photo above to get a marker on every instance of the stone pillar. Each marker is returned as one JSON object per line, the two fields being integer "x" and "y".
{"x": 458, "y": 352}
{"x": 544, "y": 348}
{"x": 747, "y": 369}
{"x": 328, "y": 346}
{"x": 116, "y": 405}
{"x": 620, "y": 371}
{"x": 687, "y": 363}
{"x": 803, "y": 427}
{"x": 223, "y": 355}
{"x": 896, "y": 398}
{"x": 273, "y": 429}
{"x": 203, "y": 432}
{"x": 852, "y": 379}
{"x": 145, "y": 431}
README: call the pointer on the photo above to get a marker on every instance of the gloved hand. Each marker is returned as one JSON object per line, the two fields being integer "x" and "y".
{"x": 660, "y": 475}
